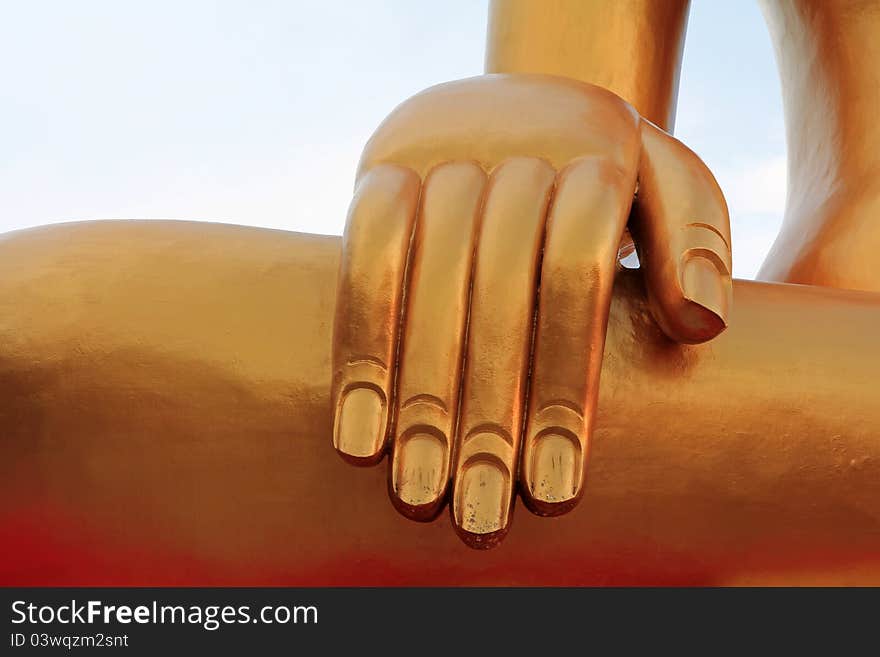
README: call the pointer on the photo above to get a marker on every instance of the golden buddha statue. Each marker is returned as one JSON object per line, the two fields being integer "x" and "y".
{"x": 169, "y": 391}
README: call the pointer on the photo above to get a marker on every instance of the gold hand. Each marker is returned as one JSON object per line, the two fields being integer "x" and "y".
{"x": 500, "y": 157}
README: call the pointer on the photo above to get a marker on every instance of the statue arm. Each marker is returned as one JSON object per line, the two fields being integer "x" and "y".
{"x": 164, "y": 400}
{"x": 829, "y": 64}
{"x": 630, "y": 47}
{"x": 523, "y": 177}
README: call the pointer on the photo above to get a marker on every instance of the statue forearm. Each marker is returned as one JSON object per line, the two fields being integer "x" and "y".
{"x": 631, "y": 47}
{"x": 829, "y": 63}
{"x": 164, "y": 399}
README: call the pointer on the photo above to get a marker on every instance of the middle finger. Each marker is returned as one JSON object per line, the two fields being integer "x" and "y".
{"x": 499, "y": 337}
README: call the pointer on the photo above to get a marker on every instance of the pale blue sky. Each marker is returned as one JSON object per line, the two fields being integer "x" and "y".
{"x": 255, "y": 112}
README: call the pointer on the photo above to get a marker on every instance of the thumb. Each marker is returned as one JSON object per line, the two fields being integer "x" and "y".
{"x": 682, "y": 232}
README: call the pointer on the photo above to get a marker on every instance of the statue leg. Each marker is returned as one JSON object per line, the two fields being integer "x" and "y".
{"x": 164, "y": 411}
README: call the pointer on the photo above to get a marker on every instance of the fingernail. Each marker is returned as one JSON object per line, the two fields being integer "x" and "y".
{"x": 555, "y": 468}
{"x": 420, "y": 471}
{"x": 703, "y": 284}
{"x": 360, "y": 429}
{"x": 482, "y": 498}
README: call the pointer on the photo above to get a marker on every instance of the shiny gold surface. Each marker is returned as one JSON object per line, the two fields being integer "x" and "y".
{"x": 169, "y": 391}
{"x": 527, "y": 178}
{"x": 166, "y": 418}
{"x": 829, "y": 63}
{"x": 552, "y": 65}
{"x": 630, "y": 47}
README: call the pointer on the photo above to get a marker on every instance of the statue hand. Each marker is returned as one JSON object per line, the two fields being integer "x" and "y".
{"x": 444, "y": 254}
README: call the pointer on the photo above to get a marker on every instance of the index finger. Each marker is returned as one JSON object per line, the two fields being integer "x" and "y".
{"x": 368, "y": 308}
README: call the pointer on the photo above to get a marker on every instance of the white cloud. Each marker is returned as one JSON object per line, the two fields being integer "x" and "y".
{"x": 755, "y": 187}
{"x": 256, "y": 113}
{"x": 755, "y": 193}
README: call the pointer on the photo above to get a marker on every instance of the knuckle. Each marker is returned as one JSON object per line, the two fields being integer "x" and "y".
{"x": 603, "y": 170}
{"x": 525, "y": 164}
{"x": 559, "y": 413}
{"x": 709, "y": 232}
{"x": 423, "y": 410}
{"x": 364, "y": 372}
{"x": 705, "y": 239}
{"x": 487, "y": 441}
{"x": 389, "y": 175}
{"x": 382, "y": 184}
{"x": 456, "y": 168}
{"x": 721, "y": 261}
